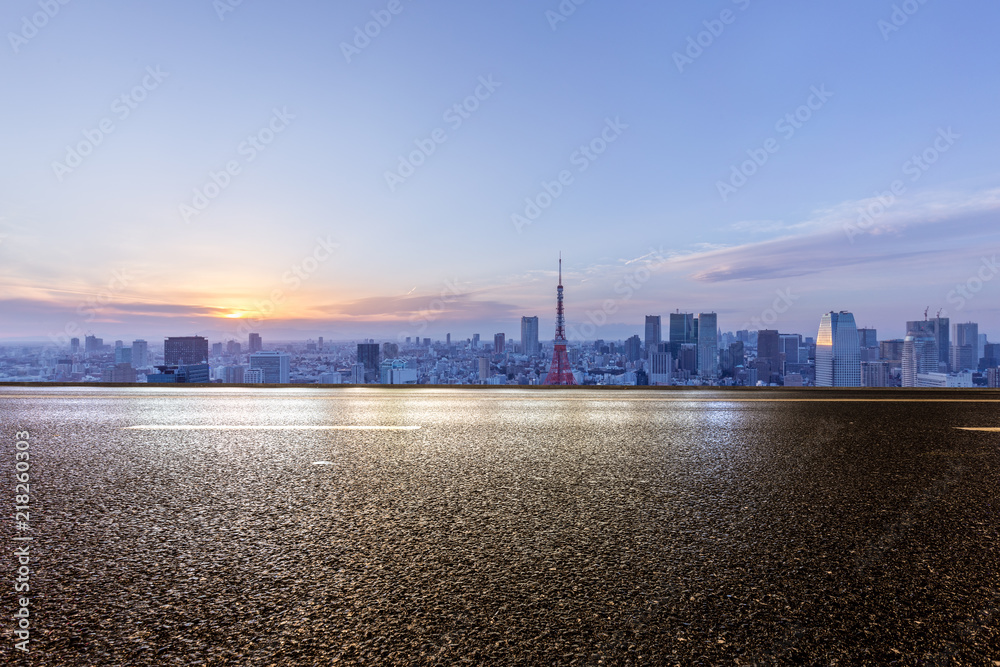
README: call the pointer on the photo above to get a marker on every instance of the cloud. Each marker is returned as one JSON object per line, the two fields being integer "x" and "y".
{"x": 934, "y": 231}
{"x": 447, "y": 305}
{"x": 96, "y": 311}
{"x": 143, "y": 308}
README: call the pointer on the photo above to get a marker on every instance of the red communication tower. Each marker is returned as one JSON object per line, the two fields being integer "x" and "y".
{"x": 559, "y": 370}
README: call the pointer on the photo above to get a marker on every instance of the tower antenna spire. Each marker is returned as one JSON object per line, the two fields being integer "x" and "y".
{"x": 559, "y": 370}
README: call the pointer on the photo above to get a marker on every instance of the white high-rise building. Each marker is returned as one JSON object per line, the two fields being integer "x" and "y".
{"x": 276, "y": 366}
{"x": 945, "y": 380}
{"x": 660, "y": 366}
{"x": 920, "y": 356}
{"x": 357, "y": 374}
{"x": 395, "y": 371}
{"x": 253, "y": 376}
{"x": 838, "y": 351}
{"x": 708, "y": 345}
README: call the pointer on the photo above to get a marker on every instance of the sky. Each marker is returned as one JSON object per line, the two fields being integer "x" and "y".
{"x": 395, "y": 168}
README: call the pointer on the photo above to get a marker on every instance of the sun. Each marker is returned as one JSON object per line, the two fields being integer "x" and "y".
{"x": 236, "y": 315}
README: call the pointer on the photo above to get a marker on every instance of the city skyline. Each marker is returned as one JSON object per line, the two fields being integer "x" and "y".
{"x": 170, "y": 176}
{"x": 463, "y": 331}
{"x": 935, "y": 353}
{"x": 697, "y": 352}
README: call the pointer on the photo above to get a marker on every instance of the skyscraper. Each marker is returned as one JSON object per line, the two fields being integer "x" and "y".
{"x": 838, "y": 351}
{"x": 653, "y": 336}
{"x": 868, "y": 337}
{"x": 937, "y": 327}
{"x": 708, "y": 345}
{"x": 368, "y": 355}
{"x": 140, "y": 353}
{"x": 769, "y": 352}
{"x": 560, "y": 372}
{"x": 499, "y": 343}
{"x": 790, "y": 345}
{"x": 255, "y": 344}
{"x": 123, "y": 355}
{"x": 869, "y": 348}
{"x": 920, "y": 355}
{"x": 276, "y": 366}
{"x": 942, "y": 332}
{"x": 180, "y": 350}
{"x": 965, "y": 351}
{"x": 683, "y": 331}
{"x": 681, "y": 328}
{"x": 991, "y": 356}
{"x": 529, "y": 335}
{"x": 633, "y": 348}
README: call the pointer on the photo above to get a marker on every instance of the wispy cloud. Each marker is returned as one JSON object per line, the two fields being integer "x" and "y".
{"x": 934, "y": 230}
{"x": 463, "y": 306}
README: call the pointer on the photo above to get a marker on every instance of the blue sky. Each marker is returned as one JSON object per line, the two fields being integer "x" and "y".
{"x": 701, "y": 177}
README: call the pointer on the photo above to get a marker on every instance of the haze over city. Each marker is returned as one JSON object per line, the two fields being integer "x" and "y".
{"x": 169, "y": 168}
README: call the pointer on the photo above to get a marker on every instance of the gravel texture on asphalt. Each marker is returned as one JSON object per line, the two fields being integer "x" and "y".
{"x": 512, "y": 527}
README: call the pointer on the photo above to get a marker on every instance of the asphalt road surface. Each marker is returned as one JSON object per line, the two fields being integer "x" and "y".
{"x": 218, "y": 526}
